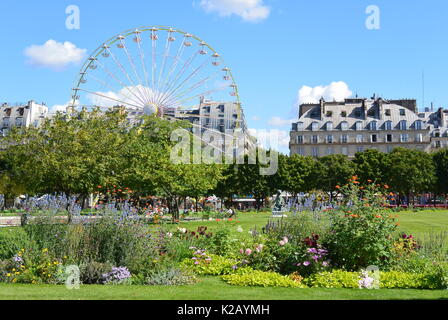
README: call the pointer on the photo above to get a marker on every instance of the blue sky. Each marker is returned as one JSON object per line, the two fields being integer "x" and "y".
{"x": 274, "y": 47}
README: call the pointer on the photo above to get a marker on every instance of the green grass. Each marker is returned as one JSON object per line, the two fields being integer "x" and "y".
{"x": 210, "y": 288}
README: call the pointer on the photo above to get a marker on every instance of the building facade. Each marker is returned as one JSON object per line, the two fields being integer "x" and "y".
{"x": 356, "y": 125}
{"x": 30, "y": 114}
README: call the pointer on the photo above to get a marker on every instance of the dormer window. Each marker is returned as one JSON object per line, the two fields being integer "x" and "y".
{"x": 315, "y": 126}
{"x": 329, "y": 126}
{"x": 373, "y": 126}
{"x": 402, "y": 112}
{"x": 388, "y": 125}
{"x": 300, "y": 126}
{"x": 358, "y": 126}
{"x": 403, "y": 125}
{"x": 418, "y": 125}
{"x": 387, "y": 112}
{"x": 344, "y": 126}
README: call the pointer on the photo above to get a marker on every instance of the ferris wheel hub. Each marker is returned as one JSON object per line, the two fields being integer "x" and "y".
{"x": 150, "y": 109}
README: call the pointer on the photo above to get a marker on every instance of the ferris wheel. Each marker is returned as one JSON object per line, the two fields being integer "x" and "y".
{"x": 156, "y": 70}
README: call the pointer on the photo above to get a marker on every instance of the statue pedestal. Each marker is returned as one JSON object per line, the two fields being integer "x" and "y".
{"x": 279, "y": 214}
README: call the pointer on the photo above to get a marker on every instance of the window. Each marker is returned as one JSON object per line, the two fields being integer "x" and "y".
{"x": 329, "y": 138}
{"x": 403, "y": 125}
{"x": 389, "y": 138}
{"x": 329, "y": 114}
{"x": 315, "y": 152}
{"x": 404, "y": 137}
{"x": 373, "y": 126}
{"x": 299, "y": 139}
{"x": 329, "y": 126}
{"x": 438, "y": 144}
{"x": 300, "y": 126}
{"x": 5, "y": 122}
{"x": 402, "y": 112}
{"x": 315, "y": 139}
{"x": 388, "y": 112}
{"x": 359, "y": 138}
{"x": 19, "y": 122}
{"x": 344, "y": 114}
{"x": 344, "y": 138}
{"x": 344, "y": 126}
{"x": 314, "y": 126}
{"x": 359, "y": 149}
{"x": 329, "y": 151}
{"x": 418, "y": 125}
{"x": 388, "y": 125}
{"x": 374, "y": 138}
{"x": 358, "y": 125}
{"x": 389, "y": 149}
{"x": 345, "y": 151}
{"x": 300, "y": 151}
{"x": 419, "y": 138}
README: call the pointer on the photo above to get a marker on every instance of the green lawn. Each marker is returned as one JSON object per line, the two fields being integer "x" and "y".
{"x": 210, "y": 288}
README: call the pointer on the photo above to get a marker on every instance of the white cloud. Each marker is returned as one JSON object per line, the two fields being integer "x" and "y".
{"x": 248, "y": 10}
{"x": 59, "y": 108}
{"x": 279, "y": 122}
{"x": 335, "y": 91}
{"x": 54, "y": 55}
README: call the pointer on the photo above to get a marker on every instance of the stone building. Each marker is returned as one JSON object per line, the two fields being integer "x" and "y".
{"x": 358, "y": 124}
{"x": 30, "y": 114}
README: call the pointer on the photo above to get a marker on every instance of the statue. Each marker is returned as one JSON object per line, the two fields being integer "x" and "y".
{"x": 279, "y": 206}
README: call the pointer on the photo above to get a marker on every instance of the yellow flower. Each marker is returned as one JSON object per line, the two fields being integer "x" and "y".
{"x": 45, "y": 250}
{"x": 14, "y": 280}
{"x": 8, "y": 274}
{"x": 13, "y": 270}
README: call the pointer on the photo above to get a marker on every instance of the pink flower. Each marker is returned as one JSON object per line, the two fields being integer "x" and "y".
{"x": 282, "y": 243}
{"x": 248, "y": 252}
{"x": 259, "y": 248}
{"x": 285, "y": 240}
{"x": 241, "y": 251}
{"x": 306, "y": 263}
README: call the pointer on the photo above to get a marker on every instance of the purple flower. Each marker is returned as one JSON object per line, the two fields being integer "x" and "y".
{"x": 306, "y": 263}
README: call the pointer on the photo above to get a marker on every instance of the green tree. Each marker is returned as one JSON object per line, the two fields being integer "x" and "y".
{"x": 440, "y": 160}
{"x": 410, "y": 171}
{"x": 370, "y": 165}
{"x": 332, "y": 171}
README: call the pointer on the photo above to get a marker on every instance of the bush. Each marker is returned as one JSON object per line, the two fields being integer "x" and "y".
{"x": 171, "y": 277}
{"x": 209, "y": 264}
{"x": 388, "y": 280}
{"x": 118, "y": 275}
{"x": 34, "y": 266}
{"x": 361, "y": 231}
{"x": 257, "y": 278}
{"x": 334, "y": 279}
{"x": 92, "y": 272}
{"x": 12, "y": 240}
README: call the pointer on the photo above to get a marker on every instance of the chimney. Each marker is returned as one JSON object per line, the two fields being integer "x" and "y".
{"x": 322, "y": 108}
{"x": 380, "y": 108}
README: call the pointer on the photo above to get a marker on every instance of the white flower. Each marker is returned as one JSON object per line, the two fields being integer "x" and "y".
{"x": 169, "y": 235}
{"x": 239, "y": 229}
{"x": 182, "y": 230}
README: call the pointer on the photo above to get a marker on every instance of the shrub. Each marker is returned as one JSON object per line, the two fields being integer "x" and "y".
{"x": 334, "y": 279}
{"x": 209, "y": 264}
{"x": 11, "y": 241}
{"x": 361, "y": 231}
{"x": 92, "y": 272}
{"x": 171, "y": 277}
{"x": 34, "y": 266}
{"x": 388, "y": 280}
{"x": 258, "y": 278}
{"x": 118, "y": 275}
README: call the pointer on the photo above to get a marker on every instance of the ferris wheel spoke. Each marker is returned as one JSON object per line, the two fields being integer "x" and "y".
{"x": 174, "y": 65}
{"x": 131, "y": 61}
{"x": 107, "y": 97}
{"x": 104, "y": 84}
{"x": 172, "y": 101}
{"x": 143, "y": 62}
{"x": 184, "y": 68}
{"x": 185, "y": 81}
{"x": 113, "y": 76}
{"x": 123, "y": 70}
{"x": 195, "y": 86}
{"x": 162, "y": 68}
